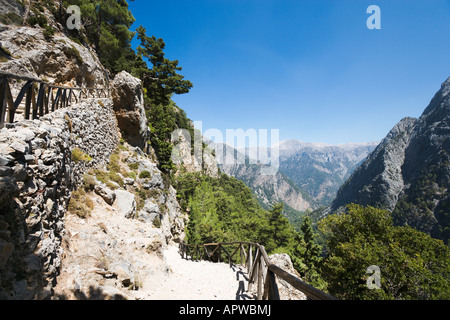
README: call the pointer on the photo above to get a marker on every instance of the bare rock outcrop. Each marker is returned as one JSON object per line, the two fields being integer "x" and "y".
{"x": 409, "y": 173}
{"x": 287, "y": 292}
{"x": 57, "y": 60}
{"x": 199, "y": 160}
{"x": 128, "y": 101}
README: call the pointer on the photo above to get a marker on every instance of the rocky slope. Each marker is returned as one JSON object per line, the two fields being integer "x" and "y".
{"x": 308, "y": 176}
{"x": 46, "y": 164}
{"x": 118, "y": 248}
{"x": 321, "y": 169}
{"x": 268, "y": 188}
{"x": 409, "y": 172}
{"x": 58, "y": 60}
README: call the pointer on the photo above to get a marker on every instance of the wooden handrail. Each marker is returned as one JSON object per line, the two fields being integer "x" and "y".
{"x": 41, "y": 98}
{"x": 262, "y": 272}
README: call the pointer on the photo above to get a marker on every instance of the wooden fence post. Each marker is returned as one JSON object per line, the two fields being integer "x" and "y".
{"x": 3, "y": 83}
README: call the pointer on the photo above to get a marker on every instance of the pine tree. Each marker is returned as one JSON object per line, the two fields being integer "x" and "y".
{"x": 106, "y": 24}
{"x": 162, "y": 80}
{"x": 280, "y": 233}
{"x": 311, "y": 250}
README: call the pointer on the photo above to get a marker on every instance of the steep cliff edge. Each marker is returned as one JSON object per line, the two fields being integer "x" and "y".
{"x": 409, "y": 172}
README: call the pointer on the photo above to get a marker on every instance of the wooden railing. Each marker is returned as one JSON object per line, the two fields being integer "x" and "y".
{"x": 262, "y": 273}
{"x": 41, "y": 98}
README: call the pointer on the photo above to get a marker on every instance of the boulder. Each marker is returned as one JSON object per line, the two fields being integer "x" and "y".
{"x": 59, "y": 60}
{"x": 287, "y": 292}
{"x": 107, "y": 194}
{"x": 126, "y": 203}
{"x": 150, "y": 213}
{"x": 128, "y": 104}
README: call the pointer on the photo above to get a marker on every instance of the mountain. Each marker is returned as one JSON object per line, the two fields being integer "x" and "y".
{"x": 321, "y": 169}
{"x": 269, "y": 187}
{"x": 409, "y": 172}
{"x": 308, "y": 175}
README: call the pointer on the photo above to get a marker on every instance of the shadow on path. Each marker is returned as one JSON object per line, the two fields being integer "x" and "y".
{"x": 242, "y": 279}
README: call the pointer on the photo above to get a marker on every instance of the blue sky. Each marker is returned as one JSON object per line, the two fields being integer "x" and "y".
{"x": 310, "y": 68}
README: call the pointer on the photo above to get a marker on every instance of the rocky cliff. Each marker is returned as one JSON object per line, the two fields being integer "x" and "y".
{"x": 308, "y": 176}
{"x": 321, "y": 169}
{"x": 61, "y": 175}
{"x": 57, "y": 60}
{"x": 271, "y": 188}
{"x": 409, "y": 172}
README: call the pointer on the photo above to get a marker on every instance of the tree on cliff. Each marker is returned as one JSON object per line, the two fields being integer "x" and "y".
{"x": 106, "y": 24}
{"x": 162, "y": 80}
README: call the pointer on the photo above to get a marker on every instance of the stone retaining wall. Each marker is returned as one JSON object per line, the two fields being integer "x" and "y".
{"x": 38, "y": 171}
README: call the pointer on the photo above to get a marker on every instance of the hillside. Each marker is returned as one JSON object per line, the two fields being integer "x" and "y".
{"x": 270, "y": 189}
{"x": 409, "y": 173}
{"x": 309, "y": 174}
{"x": 321, "y": 169}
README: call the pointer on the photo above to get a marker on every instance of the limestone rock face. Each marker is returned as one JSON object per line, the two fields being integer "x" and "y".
{"x": 287, "y": 292}
{"x": 57, "y": 60}
{"x": 128, "y": 101}
{"x": 409, "y": 173}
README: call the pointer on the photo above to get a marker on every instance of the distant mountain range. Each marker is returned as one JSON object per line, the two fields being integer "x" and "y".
{"x": 309, "y": 174}
{"x": 409, "y": 172}
{"x": 321, "y": 169}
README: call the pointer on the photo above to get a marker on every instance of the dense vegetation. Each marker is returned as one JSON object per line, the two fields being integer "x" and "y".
{"x": 413, "y": 265}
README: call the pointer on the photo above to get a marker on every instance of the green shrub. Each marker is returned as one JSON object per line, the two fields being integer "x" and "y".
{"x": 111, "y": 185}
{"x": 157, "y": 222}
{"x": 48, "y": 32}
{"x": 114, "y": 164}
{"x": 133, "y": 166}
{"x": 38, "y": 19}
{"x": 78, "y": 155}
{"x": 117, "y": 179}
{"x": 102, "y": 176}
{"x": 74, "y": 53}
{"x": 144, "y": 175}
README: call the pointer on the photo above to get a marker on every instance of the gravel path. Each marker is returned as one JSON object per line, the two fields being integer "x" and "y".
{"x": 189, "y": 280}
